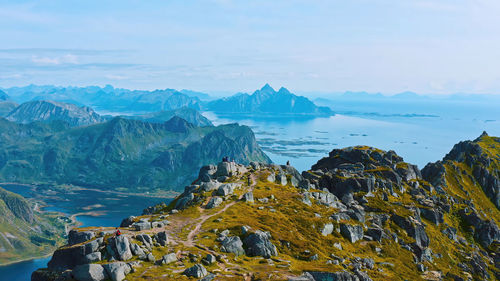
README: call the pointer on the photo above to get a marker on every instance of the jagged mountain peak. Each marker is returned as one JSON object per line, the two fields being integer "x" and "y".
{"x": 267, "y": 88}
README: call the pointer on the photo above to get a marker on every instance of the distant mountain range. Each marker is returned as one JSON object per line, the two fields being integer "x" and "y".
{"x": 114, "y": 100}
{"x": 133, "y": 154}
{"x": 108, "y": 98}
{"x": 25, "y": 233}
{"x": 267, "y": 101}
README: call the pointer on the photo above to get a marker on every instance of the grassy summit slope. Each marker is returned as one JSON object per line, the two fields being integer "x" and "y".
{"x": 359, "y": 214}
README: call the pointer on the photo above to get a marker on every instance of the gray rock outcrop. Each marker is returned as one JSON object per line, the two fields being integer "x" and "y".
{"x": 259, "y": 244}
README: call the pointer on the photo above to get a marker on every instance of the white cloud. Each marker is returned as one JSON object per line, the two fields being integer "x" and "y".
{"x": 116, "y": 77}
{"x": 65, "y": 59}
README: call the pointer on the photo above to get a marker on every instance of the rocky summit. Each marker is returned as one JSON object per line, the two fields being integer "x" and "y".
{"x": 359, "y": 214}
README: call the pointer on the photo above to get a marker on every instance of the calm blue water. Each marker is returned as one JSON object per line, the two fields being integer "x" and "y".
{"x": 418, "y": 140}
{"x": 112, "y": 208}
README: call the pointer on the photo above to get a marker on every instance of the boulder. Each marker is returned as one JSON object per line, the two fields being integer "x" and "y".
{"x": 334, "y": 276}
{"x": 137, "y": 251}
{"x": 281, "y": 179}
{"x": 209, "y": 259}
{"x": 162, "y": 238}
{"x": 184, "y": 201}
{"x": 76, "y": 237}
{"x": 271, "y": 177}
{"x": 117, "y": 270}
{"x": 327, "y": 229}
{"x": 248, "y": 197}
{"x": 305, "y": 184}
{"x": 206, "y": 173}
{"x": 150, "y": 257}
{"x": 145, "y": 239}
{"x": 228, "y": 169}
{"x": 69, "y": 257}
{"x": 451, "y": 233}
{"x": 486, "y": 233}
{"x": 209, "y": 186}
{"x": 92, "y": 257}
{"x": 233, "y": 245}
{"x": 376, "y": 233}
{"x": 352, "y": 233}
{"x": 126, "y": 222}
{"x": 226, "y": 189}
{"x": 209, "y": 277}
{"x": 170, "y": 258}
{"x": 119, "y": 248}
{"x": 140, "y": 226}
{"x": 433, "y": 215}
{"x": 414, "y": 228}
{"x": 197, "y": 271}
{"x": 259, "y": 244}
{"x": 90, "y": 272}
{"x": 214, "y": 202}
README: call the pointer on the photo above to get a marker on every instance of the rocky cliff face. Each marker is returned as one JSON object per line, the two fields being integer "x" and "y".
{"x": 47, "y": 111}
{"x": 25, "y": 233}
{"x": 359, "y": 214}
{"x": 475, "y": 160}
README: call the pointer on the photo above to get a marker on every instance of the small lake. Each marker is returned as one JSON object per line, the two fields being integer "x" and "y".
{"x": 111, "y": 208}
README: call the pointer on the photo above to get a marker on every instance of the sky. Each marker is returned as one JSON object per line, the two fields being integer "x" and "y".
{"x": 430, "y": 47}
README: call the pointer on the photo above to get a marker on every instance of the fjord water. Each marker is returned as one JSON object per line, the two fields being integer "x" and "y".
{"x": 419, "y": 140}
{"x": 108, "y": 210}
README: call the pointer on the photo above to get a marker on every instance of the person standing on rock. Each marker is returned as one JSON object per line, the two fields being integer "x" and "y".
{"x": 118, "y": 233}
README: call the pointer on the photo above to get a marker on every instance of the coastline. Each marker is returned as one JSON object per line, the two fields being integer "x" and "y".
{"x": 26, "y": 259}
{"x": 75, "y": 187}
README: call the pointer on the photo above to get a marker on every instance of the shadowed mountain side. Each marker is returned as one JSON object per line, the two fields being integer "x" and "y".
{"x": 121, "y": 153}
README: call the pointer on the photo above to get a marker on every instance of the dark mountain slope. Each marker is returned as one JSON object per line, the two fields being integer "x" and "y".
{"x": 121, "y": 153}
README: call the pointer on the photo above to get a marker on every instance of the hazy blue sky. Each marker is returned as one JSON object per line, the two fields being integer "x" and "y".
{"x": 434, "y": 46}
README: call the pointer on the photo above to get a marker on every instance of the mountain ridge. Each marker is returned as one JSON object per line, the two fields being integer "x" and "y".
{"x": 120, "y": 153}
